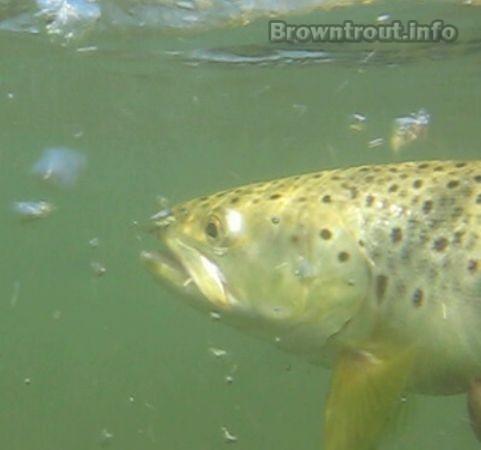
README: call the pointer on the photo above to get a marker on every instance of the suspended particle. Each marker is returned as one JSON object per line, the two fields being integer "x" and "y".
{"x": 98, "y": 269}
{"x": 217, "y": 352}
{"x": 33, "y": 210}
{"x": 357, "y": 122}
{"x": 408, "y": 129}
{"x": 60, "y": 166}
{"x": 228, "y": 436}
{"x": 94, "y": 242}
{"x": 374, "y": 143}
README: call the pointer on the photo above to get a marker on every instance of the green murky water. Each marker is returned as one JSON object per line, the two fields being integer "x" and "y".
{"x": 116, "y": 361}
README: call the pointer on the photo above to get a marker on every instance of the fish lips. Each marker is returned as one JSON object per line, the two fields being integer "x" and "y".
{"x": 188, "y": 270}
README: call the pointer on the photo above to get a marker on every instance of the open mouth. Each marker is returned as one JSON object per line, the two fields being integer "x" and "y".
{"x": 189, "y": 270}
{"x": 164, "y": 265}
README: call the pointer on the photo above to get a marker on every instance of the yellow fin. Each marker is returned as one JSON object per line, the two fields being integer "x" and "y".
{"x": 365, "y": 397}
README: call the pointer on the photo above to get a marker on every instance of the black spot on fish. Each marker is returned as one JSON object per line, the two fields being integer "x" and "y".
{"x": 423, "y": 166}
{"x": 418, "y": 297}
{"x": 460, "y": 164}
{"x": 317, "y": 175}
{"x": 452, "y": 184}
{"x": 325, "y": 234}
{"x": 275, "y": 196}
{"x": 343, "y": 256}
{"x": 326, "y": 199}
{"x": 472, "y": 265}
{"x": 457, "y": 212}
{"x": 458, "y": 237}
{"x": 440, "y": 244}
{"x": 417, "y": 184}
{"x": 381, "y": 286}
{"x": 477, "y": 178}
{"x": 275, "y": 220}
{"x": 234, "y": 200}
{"x": 438, "y": 169}
{"x": 427, "y": 206}
{"x": 396, "y": 235}
{"x": 361, "y": 243}
{"x": 393, "y": 188}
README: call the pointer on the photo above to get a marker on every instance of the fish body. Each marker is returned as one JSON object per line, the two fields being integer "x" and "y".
{"x": 372, "y": 270}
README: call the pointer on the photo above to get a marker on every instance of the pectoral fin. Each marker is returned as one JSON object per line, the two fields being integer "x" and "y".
{"x": 365, "y": 398}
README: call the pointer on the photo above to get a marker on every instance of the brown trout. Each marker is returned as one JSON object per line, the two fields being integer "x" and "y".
{"x": 374, "y": 271}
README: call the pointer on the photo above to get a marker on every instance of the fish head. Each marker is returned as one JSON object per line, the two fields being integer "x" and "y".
{"x": 274, "y": 268}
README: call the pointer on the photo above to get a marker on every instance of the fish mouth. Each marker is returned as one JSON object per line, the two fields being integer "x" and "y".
{"x": 163, "y": 264}
{"x": 187, "y": 269}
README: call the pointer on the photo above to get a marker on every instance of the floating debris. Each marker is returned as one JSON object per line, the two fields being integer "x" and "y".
{"x": 215, "y": 315}
{"x": 60, "y": 166}
{"x": 217, "y": 352}
{"x": 409, "y": 129}
{"x": 357, "y": 122}
{"x": 33, "y": 210}
{"x": 229, "y": 379}
{"x": 57, "y": 314}
{"x": 27, "y": 381}
{"x": 228, "y": 436}
{"x": 383, "y": 18}
{"x": 375, "y": 143}
{"x": 98, "y": 269}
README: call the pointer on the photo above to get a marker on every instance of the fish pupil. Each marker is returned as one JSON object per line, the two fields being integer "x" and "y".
{"x": 212, "y": 230}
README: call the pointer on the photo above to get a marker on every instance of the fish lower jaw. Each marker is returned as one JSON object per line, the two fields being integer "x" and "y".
{"x": 166, "y": 268}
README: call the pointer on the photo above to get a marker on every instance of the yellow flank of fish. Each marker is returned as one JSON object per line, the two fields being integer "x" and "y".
{"x": 374, "y": 271}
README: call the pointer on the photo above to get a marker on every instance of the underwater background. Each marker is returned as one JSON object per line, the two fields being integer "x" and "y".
{"x": 141, "y": 100}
